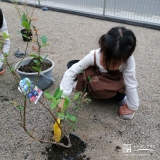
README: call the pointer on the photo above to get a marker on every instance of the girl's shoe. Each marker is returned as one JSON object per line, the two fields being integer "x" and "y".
{"x": 1, "y": 71}
{"x": 125, "y": 116}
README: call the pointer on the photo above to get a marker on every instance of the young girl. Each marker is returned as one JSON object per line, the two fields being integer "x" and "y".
{"x": 6, "y": 45}
{"x": 112, "y": 72}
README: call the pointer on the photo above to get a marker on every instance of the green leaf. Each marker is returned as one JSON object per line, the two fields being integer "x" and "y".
{"x": 26, "y": 25}
{"x": 73, "y": 118}
{"x": 53, "y": 104}
{"x": 67, "y": 115}
{"x": 59, "y": 94}
{"x": 89, "y": 78}
{"x": 28, "y": 82}
{"x": 76, "y": 96}
{"x": 41, "y": 59}
{"x": 24, "y": 18}
{"x": 46, "y": 44}
{"x": 56, "y": 92}
{"x": 36, "y": 61}
{"x": 48, "y": 95}
{"x": 61, "y": 115}
{"x": 66, "y": 104}
{"x": 43, "y": 39}
{"x": 66, "y": 97}
{"x": 20, "y": 108}
{"x": 5, "y": 54}
{"x": 11, "y": 69}
{"x": 33, "y": 55}
{"x": 36, "y": 68}
{"x": 5, "y": 35}
{"x": 46, "y": 91}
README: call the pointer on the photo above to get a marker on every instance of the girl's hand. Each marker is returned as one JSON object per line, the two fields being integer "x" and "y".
{"x": 60, "y": 105}
{"x": 123, "y": 110}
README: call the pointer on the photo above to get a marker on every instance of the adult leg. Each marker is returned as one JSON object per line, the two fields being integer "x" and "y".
{"x": 1, "y": 63}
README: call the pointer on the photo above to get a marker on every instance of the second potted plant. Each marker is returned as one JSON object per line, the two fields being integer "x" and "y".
{"x": 36, "y": 68}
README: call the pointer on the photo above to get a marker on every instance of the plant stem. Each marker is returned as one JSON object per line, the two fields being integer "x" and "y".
{"x": 40, "y": 140}
{"x": 39, "y": 47}
{"x": 52, "y": 116}
{"x": 24, "y": 113}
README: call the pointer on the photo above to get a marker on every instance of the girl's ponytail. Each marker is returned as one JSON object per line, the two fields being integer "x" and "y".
{"x": 117, "y": 45}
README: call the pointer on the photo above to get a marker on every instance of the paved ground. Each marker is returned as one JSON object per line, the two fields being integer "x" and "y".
{"x": 143, "y": 11}
{"x": 72, "y": 37}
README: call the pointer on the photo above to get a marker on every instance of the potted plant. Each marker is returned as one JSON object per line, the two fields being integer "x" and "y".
{"x": 61, "y": 133}
{"x": 26, "y": 33}
{"x": 36, "y": 68}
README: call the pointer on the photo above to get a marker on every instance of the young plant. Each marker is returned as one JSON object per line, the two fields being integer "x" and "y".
{"x": 54, "y": 99}
{"x": 63, "y": 114}
{"x": 32, "y": 36}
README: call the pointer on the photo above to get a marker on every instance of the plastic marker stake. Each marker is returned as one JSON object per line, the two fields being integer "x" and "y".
{"x": 57, "y": 131}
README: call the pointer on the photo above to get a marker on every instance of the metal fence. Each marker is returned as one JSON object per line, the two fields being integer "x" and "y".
{"x": 137, "y": 12}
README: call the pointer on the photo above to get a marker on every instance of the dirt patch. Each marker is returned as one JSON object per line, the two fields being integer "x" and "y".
{"x": 56, "y": 152}
{"x": 29, "y": 67}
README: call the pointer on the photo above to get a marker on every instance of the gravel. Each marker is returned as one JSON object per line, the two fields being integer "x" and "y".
{"x": 72, "y": 37}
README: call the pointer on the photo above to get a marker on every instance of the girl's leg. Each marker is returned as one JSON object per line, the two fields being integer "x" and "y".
{"x": 122, "y": 99}
{"x": 119, "y": 96}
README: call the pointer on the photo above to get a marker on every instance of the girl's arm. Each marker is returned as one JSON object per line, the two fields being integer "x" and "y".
{"x": 7, "y": 41}
{"x": 68, "y": 79}
{"x": 131, "y": 84}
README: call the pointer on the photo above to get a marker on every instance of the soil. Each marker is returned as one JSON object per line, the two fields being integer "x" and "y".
{"x": 28, "y": 67}
{"x": 73, "y": 37}
{"x": 56, "y": 152}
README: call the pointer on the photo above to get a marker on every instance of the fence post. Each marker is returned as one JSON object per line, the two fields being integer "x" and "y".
{"x": 104, "y": 7}
{"x": 39, "y": 2}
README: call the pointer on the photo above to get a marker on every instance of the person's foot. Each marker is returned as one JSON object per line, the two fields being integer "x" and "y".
{"x": 124, "y": 111}
{"x": 1, "y": 71}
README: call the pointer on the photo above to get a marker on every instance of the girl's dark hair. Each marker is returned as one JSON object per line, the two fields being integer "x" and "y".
{"x": 1, "y": 19}
{"x": 118, "y": 44}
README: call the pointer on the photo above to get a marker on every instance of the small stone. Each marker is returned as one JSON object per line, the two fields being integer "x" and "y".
{"x": 26, "y": 156}
{"x": 118, "y": 147}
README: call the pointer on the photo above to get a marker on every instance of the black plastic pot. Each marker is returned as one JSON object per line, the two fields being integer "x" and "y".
{"x": 70, "y": 63}
{"x": 28, "y": 34}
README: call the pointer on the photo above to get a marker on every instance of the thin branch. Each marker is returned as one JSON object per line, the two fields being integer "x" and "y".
{"x": 24, "y": 112}
{"x": 53, "y": 117}
{"x": 40, "y": 140}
